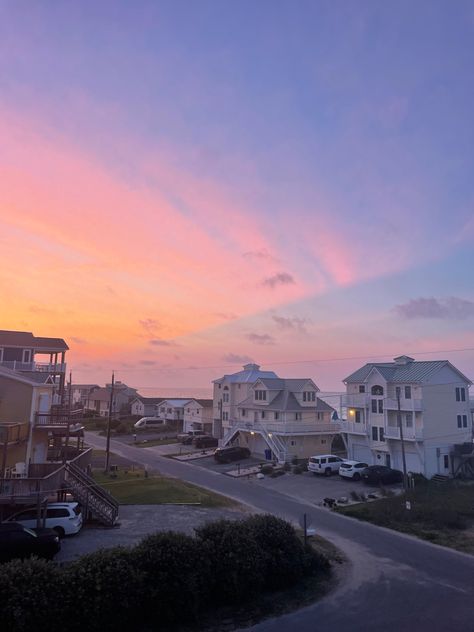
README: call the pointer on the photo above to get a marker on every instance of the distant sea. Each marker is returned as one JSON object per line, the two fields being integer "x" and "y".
{"x": 184, "y": 391}
{"x": 333, "y": 398}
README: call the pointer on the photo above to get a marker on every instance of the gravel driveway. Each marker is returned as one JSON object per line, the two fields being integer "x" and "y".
{"x": 138, "y": 521}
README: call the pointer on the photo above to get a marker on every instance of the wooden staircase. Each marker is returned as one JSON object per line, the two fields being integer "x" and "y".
{"x": 440, "y": 479}
{"x": 93, "y": 497}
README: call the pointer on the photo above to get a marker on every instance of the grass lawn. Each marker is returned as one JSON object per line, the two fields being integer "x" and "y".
{"x": 443, "y": 514}
{"x": 132, "y": 488}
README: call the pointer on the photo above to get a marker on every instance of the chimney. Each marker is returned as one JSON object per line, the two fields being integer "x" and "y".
{"x": 403, "y": 360}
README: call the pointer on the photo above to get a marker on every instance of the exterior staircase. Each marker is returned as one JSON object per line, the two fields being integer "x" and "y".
{"x": 440, "y": 479}
{"x": 92, "y": 496}
{"x": 271, "y": 439}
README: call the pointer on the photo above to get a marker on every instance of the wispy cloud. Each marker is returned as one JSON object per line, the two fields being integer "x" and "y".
{"x": 281, "y": 278}
{"x": 226, "y": 316}
{"x": 261, "y": 339}
{"x": 294, "y": 323}
{"x": 234, "y": 358}
{"x": 78, "y": 341}
{"x": 259, "y": 255}
{"x": 150, "y": 325}
{"x": 159, "y": 342}
{"x": 448, "y": 308}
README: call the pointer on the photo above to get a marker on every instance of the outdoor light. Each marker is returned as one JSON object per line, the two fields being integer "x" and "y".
{"x": 352, "y": 412}
{"x": 270, "y": 434}
{"x": 252, "y": 432}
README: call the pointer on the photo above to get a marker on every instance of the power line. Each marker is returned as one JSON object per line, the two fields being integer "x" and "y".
{"x": 151, "y": 368}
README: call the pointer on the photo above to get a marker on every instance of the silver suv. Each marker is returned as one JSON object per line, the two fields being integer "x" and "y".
{"x": 326, "y": 464}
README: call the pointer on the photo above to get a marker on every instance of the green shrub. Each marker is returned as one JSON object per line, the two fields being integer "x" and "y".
{"x": 294, "y": 460}
{"x": 266, "y": 468}
{"x": 354, "y": 495}
{"x": 176, "y": 571}
{"x": 30, "y": 596}
{"x": 122, "y": 429}
{"x": 110, "y": 584}
{"x": 286, "y": 467}
{"x": 277, "y": 473}
{"x": 297, "y": 469}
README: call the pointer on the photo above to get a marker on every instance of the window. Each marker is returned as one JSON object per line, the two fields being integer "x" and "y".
{"x": 244, "y": 412}
{"x": 225, "y": 416}
{"x": 277, "y": 416}
{"x": 298, "y": 416}
{"x": 292, "y": 442}
{"x": 380, "y": 401}
{"x": 381, "y": 435}
{"x": 374, "y": 405}
{"x": 361, "y": 388}
{"x": 377, "y": 390}
{"x": 263, "y": 414}
{"x": 407, "y": 392}
{"x": 323, "y": 441}
{"x": 309, "y": 396}
{"x": 446, "y": 461}
{"x": 189, "y": 410}
{"x": 409, "y": 420}
{"x": 320, "y": 416}
{"x": 225, "y": 397}
{"x": 375, "y": 434}
{"x": 462, "y": 421}
{"x": 357, "y": 417}
{"x": 261, "y": 395}
{"x": 377, "y": 406}
{"x": 460, "y": 394}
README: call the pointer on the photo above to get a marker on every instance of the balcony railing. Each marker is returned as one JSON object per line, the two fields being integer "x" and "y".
{"x": 57, "y": 418}
{"x": 406, "y": 405}
{"x": 13, "y": 432}
{"x": 44, "y": 480}
{"x": 353, "y": 428}
{"x": 355, "y": 400}
{"x": 289, "y": 428}
{"x": 46, "y": 367}
{"x": 409, "y": 434}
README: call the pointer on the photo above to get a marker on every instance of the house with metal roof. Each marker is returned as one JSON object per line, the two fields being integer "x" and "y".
{"x": 422, "y": 404}
{"x": 172, "y": 410}
{"x": 145, "y": 406}
{"x": 280, "y": 419}
{"x": 20, "y": 350}
{"x": 198, "y": 415}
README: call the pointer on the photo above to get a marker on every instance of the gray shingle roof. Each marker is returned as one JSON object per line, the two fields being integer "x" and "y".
{"x": 27, "y": 340}
{"x": 414, "y": 371}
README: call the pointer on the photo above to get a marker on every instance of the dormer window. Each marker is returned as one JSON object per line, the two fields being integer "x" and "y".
{"x": 309, "y": 396}
{"x": 377, "y": 390}
{"x": 261, "y": 396}
{"x": 361, "y": 388}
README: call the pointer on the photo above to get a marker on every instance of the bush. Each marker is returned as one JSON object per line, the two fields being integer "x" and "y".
{"x": 177, "y": 573}
{"x": 277, "y": 473}
{"x": 122, "y": 429}
{"x": 266, "y": 469}
{"x": 30, "y": 596}
{"x": 110, "y": 584}
{"x": 297, "y": 469}
{"x": 235, "y": 558}
{"x": 354, "y": 495}
{"x": 286, "y": 467}
{"x": 294, "y": 460}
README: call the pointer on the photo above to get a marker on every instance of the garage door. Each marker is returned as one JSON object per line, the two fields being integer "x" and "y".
{"x": 412, "y": 460}
{"x": 362, "y": 453}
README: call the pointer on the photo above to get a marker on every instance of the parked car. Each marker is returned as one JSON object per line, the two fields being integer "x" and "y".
{"x": 352, "y": 469}
{"x": 231, "y": 453}
{"x": 187, "y": 437}
{"x": 148, "y": 422}
{"x": 17, "y": 541}
{"x": 64, "y": 518}
{"x": 325, "y": 464}
{"x": 378, "y": 474}
{"x": 205, "y": 442}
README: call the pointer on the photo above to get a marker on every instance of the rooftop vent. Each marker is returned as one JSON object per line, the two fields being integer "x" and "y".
{"x": 403, "y": 360}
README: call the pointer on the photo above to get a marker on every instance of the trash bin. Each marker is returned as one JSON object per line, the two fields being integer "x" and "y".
{"x": 268, "y": 454}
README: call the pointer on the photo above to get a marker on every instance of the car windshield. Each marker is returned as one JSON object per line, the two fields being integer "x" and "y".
{"x": 346, "y": 466}
{"x": 313, "y": 460}
{"x": 30, "y": 532}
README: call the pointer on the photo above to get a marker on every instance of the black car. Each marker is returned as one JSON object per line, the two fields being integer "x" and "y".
{"x": 205, "y": 442}
{"x": 232, "y": 453}
{"x": 381, "y": 474}
{"x": 17, "y": 541}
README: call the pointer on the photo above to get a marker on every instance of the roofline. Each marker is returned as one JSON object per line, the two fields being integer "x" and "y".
{"x": 18, "y": 377}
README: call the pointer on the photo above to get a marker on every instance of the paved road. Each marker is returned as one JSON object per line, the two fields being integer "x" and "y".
{"x": 395, "y": 582}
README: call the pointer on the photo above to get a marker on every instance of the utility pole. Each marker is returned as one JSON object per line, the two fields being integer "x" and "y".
{"x": 399, "y": 419}
{"x": 109, "y": 423}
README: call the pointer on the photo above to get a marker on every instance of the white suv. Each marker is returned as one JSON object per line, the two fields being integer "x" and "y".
{"x": 148, "y": 422}
{"x": 325, "y": 464}
{"x": 352, "y": 469}
{"x": 64, "y": 518}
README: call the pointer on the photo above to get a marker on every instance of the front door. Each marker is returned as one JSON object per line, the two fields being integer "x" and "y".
{"x": 387, "y": 460}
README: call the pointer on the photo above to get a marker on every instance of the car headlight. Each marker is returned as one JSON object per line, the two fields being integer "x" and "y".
{"x": 56, "y": 538}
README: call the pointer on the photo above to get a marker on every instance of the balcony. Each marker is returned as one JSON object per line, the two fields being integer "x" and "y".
{"x": 353, "y": 428}
{"x": 45, "y": 367}
{"x": 355, "y": 400}
{"x": 406, "y": 405}
{"x": 12, "y": 433}
{"x": 289, "y": 427}
{"x": 57, "y": 419}
{"x": 409, "y": 434}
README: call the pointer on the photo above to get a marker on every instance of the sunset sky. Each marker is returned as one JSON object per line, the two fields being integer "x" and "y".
{"x": 189, "y": 185}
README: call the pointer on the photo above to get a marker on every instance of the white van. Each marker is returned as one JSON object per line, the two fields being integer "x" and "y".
{"x": 148, "y": 422}
{"x": 326, "y": 464}
{"x": 64, "y": 518}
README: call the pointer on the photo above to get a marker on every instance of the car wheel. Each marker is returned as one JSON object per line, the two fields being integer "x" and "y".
{"x": 328, "y": 471}
{"x": 60, "y": 531}
{"x": 356, "y": 477}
